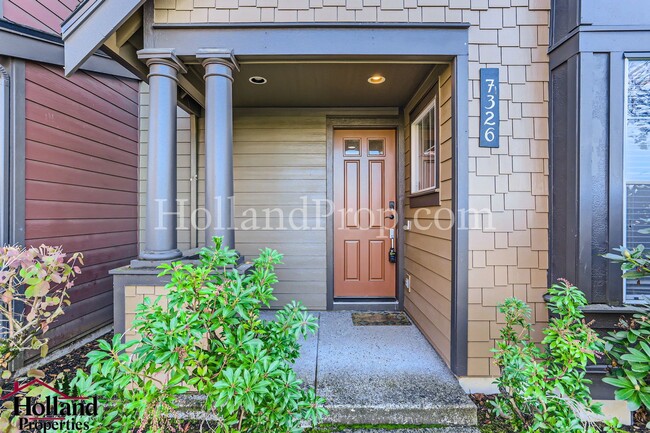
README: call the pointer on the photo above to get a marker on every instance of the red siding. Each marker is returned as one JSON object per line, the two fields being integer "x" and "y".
{"x": 81, "y": 181}
{"x": 46, "y": 15}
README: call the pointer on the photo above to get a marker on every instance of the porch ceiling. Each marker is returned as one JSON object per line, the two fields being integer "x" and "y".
{"x": 327, "y": 84}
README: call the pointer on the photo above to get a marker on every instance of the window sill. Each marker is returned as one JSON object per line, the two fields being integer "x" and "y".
{"x": 425, "y": 198}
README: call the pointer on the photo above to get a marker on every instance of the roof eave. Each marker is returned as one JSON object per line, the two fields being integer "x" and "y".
{"x": 90, "y": 26}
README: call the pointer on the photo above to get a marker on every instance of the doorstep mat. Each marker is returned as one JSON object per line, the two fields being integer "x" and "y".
{"x": 380, "y": 319}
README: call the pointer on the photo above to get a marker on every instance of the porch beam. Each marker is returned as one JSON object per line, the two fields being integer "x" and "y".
{"x": 219, "y": 65}
{"x": 320, "y": 40}
{"x": 160, "y": 223}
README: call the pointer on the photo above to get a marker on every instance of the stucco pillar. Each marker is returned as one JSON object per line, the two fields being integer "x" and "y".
{"x": 160, "y": 221}
{"x": 219, "y": 65}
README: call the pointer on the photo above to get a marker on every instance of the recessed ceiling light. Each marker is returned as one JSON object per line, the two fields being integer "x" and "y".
{"x": 376, "y": 79}
{"x": 258, "y": 80}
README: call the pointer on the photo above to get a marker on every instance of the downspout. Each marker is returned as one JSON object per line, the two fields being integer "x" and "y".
{"x": 4, "y": 155}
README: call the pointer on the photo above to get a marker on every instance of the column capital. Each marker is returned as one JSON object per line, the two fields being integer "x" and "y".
{"x": 222, "y": 56}
{"x": 166, "y": 56}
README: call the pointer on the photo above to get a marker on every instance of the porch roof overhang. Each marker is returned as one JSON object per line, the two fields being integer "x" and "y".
{"x": 123, "y": 27}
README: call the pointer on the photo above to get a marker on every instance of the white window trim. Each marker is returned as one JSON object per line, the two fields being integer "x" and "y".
{"x": 415, "y": 150}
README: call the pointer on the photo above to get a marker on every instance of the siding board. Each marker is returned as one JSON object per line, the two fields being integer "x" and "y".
{"x": 95, "y": 116}
{"x": 71, "y": 193}
{"x": 46, "y": 115}
{"x": 60, "y": 156}
{"x": 46, "y": 15}
{"x": 67, "y": 140}
{"x": 37, "y": 170}
{"x": 428, "y": 252}
{"x": 280, "y": 161}
{"x": 81, "y": 182}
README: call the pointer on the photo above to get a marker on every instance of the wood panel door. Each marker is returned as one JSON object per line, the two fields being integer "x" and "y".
{"x": 364, "y": 187}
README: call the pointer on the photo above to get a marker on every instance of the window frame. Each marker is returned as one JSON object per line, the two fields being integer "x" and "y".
{"x": 628, "y": 57}
{"x": 431, "y": 106}
{"x": 5, "y": 138}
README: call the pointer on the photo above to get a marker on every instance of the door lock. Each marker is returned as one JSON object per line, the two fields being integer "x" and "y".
{"x": 392, "y": 254}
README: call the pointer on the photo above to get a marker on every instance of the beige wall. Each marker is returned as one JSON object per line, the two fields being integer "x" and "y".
{"x": 509, "y": 254}
{"x": 279, "y": 159}
{"x": 428, "y": 243}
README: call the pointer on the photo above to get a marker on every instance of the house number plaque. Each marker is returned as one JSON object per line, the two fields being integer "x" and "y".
{"x": 489, "y": 107}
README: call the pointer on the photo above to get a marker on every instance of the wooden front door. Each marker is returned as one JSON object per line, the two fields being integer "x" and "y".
{"x": 364, "y": 192}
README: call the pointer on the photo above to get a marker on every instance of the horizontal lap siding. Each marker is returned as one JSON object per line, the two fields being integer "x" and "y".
{"x": 81, "y": 182}
{"x": 46, "y": 15}
{"x": 428, "y": 246}
{"x": 280, "y": 160}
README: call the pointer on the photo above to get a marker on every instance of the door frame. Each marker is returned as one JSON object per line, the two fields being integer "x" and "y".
{"x": 367, "y": 121}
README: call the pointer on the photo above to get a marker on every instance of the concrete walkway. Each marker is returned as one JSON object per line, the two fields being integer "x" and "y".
{"x": 381, "y": 375}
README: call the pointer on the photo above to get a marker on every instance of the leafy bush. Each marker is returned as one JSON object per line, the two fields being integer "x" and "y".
{"x": 34, "y": 284}
{"x": 628, "y": 348}
{"x": 545, "y": 390}
{"x": 629, "y": 352}
{"x": 635, "y": 263}
{"x": 207, "y": 334}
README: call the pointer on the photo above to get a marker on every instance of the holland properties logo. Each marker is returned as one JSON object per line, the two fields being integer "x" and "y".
{"x": 53, "y": 412}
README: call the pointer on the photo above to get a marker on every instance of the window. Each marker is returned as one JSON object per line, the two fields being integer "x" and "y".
{"x": 637, "y": 165}
{"x": 424, "y": 150}
{"x": 352, "y": 146}
{"x": 375, "y": 146}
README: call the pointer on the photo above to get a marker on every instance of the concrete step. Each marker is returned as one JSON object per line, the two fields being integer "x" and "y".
{"x": 381, "y": 375}
{"x": 439, "y": 414}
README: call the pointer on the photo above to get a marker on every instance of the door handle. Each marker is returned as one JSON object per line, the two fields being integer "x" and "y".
{"x": 390, "y": 217}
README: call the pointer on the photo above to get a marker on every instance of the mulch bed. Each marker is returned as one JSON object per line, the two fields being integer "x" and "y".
{"x": 488, "y": 423}
{"x": 73, "y": 361}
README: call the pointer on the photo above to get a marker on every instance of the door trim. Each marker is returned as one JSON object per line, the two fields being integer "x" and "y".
{"x": 367, "y": 121}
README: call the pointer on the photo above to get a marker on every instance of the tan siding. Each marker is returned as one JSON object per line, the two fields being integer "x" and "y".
{"x": 428, "y": 244}
{"x": 80, "y": 182}
{"x": 280, "y": 160}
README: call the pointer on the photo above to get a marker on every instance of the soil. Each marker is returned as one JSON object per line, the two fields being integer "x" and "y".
{"x": 73, "y": 361}
{"x": 488, "y": 423}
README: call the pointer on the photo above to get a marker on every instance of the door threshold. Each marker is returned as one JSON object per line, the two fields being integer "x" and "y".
{"x": 360, "y": 304}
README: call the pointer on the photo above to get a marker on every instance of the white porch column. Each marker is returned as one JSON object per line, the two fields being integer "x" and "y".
{"x": 160, "y": 230}
{"x": 219, "y": 65}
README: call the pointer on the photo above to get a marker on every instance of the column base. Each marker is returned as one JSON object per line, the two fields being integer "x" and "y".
{"x": 161, "y": 255}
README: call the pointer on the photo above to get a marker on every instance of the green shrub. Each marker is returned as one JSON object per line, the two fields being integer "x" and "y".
{"x": 545, "y": 390}
{"x": 628, "y": 350}
{"x": 207, "y": 334}
{"x": 635, "y": 263}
